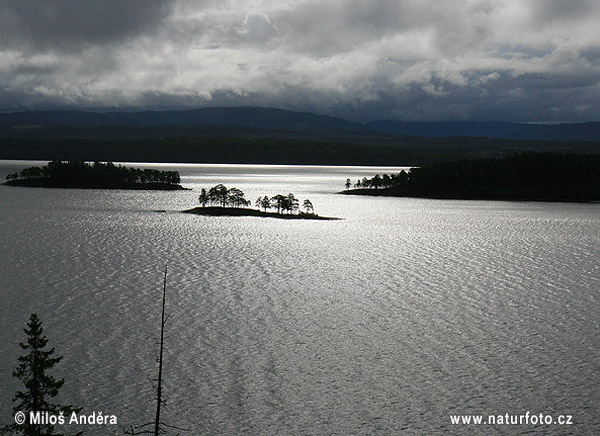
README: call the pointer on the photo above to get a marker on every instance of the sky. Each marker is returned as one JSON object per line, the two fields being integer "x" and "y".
{"x": 412, "y": 60}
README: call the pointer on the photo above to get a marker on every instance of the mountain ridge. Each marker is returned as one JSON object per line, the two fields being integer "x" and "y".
{"x": 266, "y": 135}
{"x": 264, "y": 120}
{"x": 587, "y": 131}
{"x": 254, "y": 116}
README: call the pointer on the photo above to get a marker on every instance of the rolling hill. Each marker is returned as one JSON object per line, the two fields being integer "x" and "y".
{"x": 268, "y": 135}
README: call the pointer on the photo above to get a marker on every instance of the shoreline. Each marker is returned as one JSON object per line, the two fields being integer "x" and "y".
{"x": 44, "y": 183}
{"x": 385, "y": 192}
{"x": 239, "y": 211}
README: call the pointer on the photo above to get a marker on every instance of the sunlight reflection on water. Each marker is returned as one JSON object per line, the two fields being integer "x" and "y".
{"x": 386, "y": 322}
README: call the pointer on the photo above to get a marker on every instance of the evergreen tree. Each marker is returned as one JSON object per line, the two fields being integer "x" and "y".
{"x": 308, "y": 206}
{"x": 219, "y": 194}
{"x": 203, "y": 198}
{"x": 292, "y": 203}
{"x": 265, "y": 203}
{"x": 40, "y": 387}
{"x": 279, "y": 202}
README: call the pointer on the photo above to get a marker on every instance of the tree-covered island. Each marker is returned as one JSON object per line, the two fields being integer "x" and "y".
{"x": 222, "y": 201}
{"x": 79, "y": 174}
{"x": 525, "y": 176}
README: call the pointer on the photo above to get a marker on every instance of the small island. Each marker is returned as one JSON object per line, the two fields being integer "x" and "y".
{"x": 525, "y": 176}
{"x": 79, "y": 174}
{"x": 222, "y": 201}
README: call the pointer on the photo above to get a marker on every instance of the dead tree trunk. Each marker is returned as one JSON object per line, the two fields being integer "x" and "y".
{"x": 160, "y": 359}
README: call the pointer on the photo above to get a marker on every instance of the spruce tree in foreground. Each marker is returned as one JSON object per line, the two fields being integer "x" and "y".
{"x": 40, "y": 387}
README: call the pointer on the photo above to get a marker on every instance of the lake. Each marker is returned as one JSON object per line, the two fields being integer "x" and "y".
{"x": 389, "y": 321}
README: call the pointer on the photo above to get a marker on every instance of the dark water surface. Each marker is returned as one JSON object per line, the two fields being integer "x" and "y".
{"x": 388, "y": 322}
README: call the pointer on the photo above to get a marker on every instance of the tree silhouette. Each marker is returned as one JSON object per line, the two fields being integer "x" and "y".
{"x": 219, "y": 194}
{"x": 157, "y": 427}
{"x": 79, "y": 173}
{"x": 308, "y": 206}
{"x": 263, "y": 203}
{"x": 376, "y": 181}
{"x": 40, "y": 387}
{"x": 291, "y": 203}
{"x": 236, "y": 198}
{"x": 223, "y": 196}
{"x": 278, "y": 201}
{"x": 526, "y": 176}
{"x": 203, "y": 197}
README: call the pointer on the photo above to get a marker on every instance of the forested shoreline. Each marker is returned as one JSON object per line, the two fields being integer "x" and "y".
{"x": 247, "y": 149}
{"x": 524, "y": 176}
{"x": 79, "y": 174}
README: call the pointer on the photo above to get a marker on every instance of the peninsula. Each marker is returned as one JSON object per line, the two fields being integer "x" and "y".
{"x": 79, "y": 174}
{"x": 525, "y": 176}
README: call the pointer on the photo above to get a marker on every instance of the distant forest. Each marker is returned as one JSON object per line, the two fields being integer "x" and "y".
{"x": 253, "y": 135}
{"x": 78, "y": 174}
{"x": 525, "y": 176}
{"x": 272, "y": 150}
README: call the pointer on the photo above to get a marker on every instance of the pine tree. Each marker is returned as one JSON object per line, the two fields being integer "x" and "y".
{"x": 40, "y": 387}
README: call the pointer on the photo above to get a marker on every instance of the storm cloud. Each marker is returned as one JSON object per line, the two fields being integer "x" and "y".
{"x": 515, "y": 60}
{"x": 70, "y": 24}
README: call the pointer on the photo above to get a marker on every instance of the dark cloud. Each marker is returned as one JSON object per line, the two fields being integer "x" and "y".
{"x": 562, "y": 10}
{"x": 519, "y": 60}
{"x": 71, "y": 23}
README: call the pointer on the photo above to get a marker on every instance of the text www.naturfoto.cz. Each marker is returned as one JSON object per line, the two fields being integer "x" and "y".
{"x": 507, "y": 419}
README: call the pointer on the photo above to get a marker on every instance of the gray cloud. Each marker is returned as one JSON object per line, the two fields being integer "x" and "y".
{"x": 521, "y": 60}
{"x": 69, "y": 23}
{"x": 562, "y": 10}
